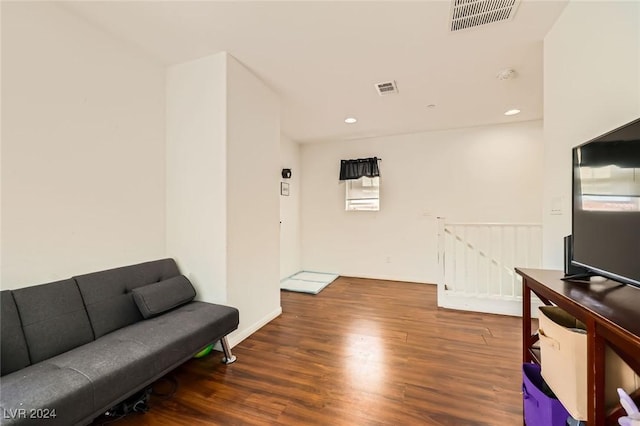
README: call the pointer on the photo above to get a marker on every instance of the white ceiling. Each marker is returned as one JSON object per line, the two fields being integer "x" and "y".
{"x": 324, "y": 57}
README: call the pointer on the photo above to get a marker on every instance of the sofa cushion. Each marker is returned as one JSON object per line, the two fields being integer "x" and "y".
{"x": 114, "y": 367}
{"x": 60, "y": 392}
{"x": 14, "y": 354}
{"x": 176, "y": 335}
{"x": 154, "y": 299}
{"x": 129, "y": 358}
{"x": 54, "y": 319}
{"x": 107, "y": 294}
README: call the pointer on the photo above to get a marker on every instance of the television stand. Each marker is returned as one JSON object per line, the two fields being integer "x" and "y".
{"x": 612, "y": 319}
{"x": 580, "y": 278}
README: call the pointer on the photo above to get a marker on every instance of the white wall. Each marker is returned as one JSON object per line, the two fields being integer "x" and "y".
{"x": 484, "y": 174}
{"x": 592, "y": 85}
{"x": 290, "y": 244}
{"x": 82, "y": 148}
{"x": 1, "y": 136}
{"x": 196, "y": 181}
{"x": 253, "y": 160}
{"x": 223, "y": 136}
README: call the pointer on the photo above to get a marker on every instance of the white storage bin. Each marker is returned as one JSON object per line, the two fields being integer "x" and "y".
{"x": 563, "y": 347}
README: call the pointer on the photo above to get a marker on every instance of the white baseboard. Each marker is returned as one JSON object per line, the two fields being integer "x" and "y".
{"x": 487, "y": 305}
{"x": 383, "y": 277}
{"x": 241, "y": 334}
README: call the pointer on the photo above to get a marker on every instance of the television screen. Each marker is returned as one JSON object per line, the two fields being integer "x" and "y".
{"x": 606, "y": 204}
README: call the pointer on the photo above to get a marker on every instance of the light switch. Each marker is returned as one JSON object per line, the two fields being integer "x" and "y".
{"x": 556, "y": 206}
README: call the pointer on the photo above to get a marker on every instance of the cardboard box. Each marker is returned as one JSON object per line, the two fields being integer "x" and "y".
{"x": 563, "y": 347}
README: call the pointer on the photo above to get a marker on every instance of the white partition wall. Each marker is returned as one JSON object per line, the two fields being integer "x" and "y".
{"x": 196, "y": 173}
{"x": 253, "y": 199}
{"x": 223, "y": 136}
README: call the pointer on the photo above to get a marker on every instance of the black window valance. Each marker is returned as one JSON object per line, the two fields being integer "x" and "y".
{"x": 355, "y": 169}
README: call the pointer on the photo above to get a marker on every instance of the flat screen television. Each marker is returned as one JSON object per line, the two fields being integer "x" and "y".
{"x": 606, "y": 205}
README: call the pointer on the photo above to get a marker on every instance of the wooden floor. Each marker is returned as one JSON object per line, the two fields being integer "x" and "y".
{"x": 362, "y": 352}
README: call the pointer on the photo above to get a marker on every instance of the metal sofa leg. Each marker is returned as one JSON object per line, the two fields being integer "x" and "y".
{"x": 229, "y": 358}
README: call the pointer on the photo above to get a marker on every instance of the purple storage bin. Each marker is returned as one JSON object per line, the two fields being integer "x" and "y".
{"x": 539, "y": 409}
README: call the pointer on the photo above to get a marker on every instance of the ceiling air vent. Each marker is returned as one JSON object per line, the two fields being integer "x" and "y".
{"x": 386, "y": 88}
{"x": 467, "y": 14}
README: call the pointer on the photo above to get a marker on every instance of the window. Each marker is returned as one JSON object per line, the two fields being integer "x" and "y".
{"x": 363, "y": 194}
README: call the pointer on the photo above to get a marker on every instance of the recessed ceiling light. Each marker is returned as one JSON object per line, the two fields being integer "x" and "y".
{"x": 512, "y": 112}
{"x": 350, "y": 120}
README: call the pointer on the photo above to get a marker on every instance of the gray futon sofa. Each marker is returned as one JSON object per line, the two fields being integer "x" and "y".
{"x": 75, "y": 348}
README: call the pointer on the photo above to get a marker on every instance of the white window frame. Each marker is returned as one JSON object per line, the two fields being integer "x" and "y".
{"x": 367, "y": 201}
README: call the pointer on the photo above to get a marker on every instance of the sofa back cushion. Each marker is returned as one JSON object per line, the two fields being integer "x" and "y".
{"x": 107, "y": 294}
{"x": 54, "y": 319}
{"x": 14, "y": 353}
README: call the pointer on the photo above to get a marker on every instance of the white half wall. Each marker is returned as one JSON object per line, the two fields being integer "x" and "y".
{"x": 290, "y": 244}
{"x": 484, "y": 174}
{"x": 591, "y": 86}
{"x": 196, "y": 181}
{"x": 82, "y": 148}
{"x": 253, "y": 207}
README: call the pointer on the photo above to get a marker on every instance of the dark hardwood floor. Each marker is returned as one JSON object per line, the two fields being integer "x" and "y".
{"x": 362, "y": 352}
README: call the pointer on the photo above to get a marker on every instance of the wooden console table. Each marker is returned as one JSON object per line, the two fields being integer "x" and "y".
{"x": 611, "y": 312}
